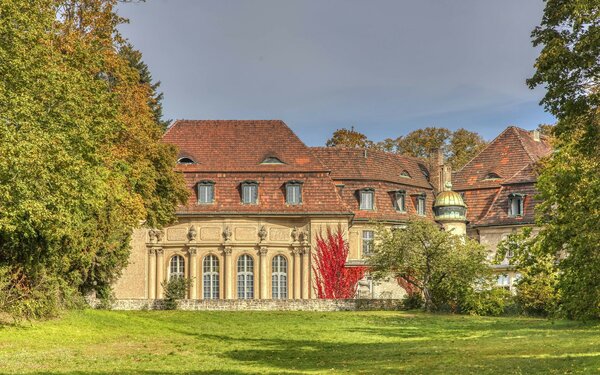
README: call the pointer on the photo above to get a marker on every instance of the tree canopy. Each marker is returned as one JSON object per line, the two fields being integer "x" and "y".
{"x": 569, "y": 68}
{"x": 82, "y": 159}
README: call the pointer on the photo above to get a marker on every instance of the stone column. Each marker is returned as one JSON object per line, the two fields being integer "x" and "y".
{"x": 306, "y": 273}
{"x": 264, "y": 279}
{"x": 159, "y": 272}
{"x": 193, "y": 273}
{"x": 228, "y": 278}
{"x": 297, "y": 270}
{"x": 151, "y": 273}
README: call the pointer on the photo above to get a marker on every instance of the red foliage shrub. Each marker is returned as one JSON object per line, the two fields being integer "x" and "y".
{"x": 333, "y": 278}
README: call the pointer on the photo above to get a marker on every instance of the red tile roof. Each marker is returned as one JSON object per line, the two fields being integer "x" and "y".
{"x": 240, "y": 145}
{"x": 374, "y": 165}
{"x": 358, "y": 169}
{"x": 230, "y": 152}
{"x": 506, "y": 155}
{"x": 512, "y": 156}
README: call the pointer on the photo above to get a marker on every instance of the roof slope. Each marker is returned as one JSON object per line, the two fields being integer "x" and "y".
{"x": 506, "y": 156}
{"x": 240, "y": 145}
{"x": 374, "y": 165}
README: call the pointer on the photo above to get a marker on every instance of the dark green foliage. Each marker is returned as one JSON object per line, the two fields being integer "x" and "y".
{"x": 490, "y": 301}
{"x": 569, "y": 68}
{"x": 413, "y": 301}
{"x": 175, "y": 289}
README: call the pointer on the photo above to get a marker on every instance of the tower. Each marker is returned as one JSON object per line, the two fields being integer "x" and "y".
{"x": 451, "y": 211}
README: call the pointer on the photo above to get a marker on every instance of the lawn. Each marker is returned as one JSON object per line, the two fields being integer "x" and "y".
{"x": 156, "y": 342}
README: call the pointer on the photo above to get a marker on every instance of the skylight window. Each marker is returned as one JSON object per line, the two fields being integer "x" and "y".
{"x": 185, "y": 160}
{"x": 492, "y": 176}
{"x": 272, "y": 160}
{"x": 405, "y": 174}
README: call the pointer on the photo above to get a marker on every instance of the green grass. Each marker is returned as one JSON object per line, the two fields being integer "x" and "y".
{"x": 156, "y": 342}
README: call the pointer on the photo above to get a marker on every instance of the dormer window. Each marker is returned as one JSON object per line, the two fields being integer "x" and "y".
{"x": 367, "y": 199}
{"x": 293, "y": 192}
{"x": 400, "y": 200}
{"x": 185, "y": 160}
{"x": 515, "y": 204}
{"x": 206, "y": 192}
{"x": 272, "y": 160}
{"x": 492, "y": 176}
{"x": 250, "y": 192}
{"x": 421, "y": 205}
{"x": 405, "y": 174}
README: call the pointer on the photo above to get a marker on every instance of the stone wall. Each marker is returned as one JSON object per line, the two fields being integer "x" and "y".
{"x": 259, "y": 305}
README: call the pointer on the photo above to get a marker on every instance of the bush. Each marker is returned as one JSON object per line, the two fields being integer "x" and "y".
{"x": 412, "y": 301}
{"x": 175, "y": 289}
{"x": 489, "y": 302}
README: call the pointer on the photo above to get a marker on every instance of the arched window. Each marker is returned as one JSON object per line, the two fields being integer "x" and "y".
{"x": 185, "y": 160}
{"x": 176, "y": 267}
{"x": 210, "y": 277}
{"x": 279, "y": 277}
{"x": 245, "y": 277}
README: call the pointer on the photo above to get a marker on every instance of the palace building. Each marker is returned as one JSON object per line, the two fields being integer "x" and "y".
{"x": 260, "y": 196}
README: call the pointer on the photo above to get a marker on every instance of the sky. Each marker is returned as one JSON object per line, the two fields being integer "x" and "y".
{"x": 384, "y": 67}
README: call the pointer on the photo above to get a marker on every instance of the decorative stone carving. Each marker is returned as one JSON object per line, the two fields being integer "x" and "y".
{"x": 295, "y": 234}
{"x": 227, "y": 234}
{"x": 159, "y": 251}
{"x": 151, "y": 236}
{"x": 227, "y": 250}
{"x": 245, "y": 233}
{"x": 302, "y": 236}
{"x": 210, "y": 233}
{"x": 192, "y": 233}
{"x": 279, "y": 234}
{"x": 263, "y": 250}
{"x": 192, "y": 250}
{"x": 262, "y": 234}
{"x": 159, "y": 235}
{"x": 151, "y": 251}
{"x": 177, "y": 234}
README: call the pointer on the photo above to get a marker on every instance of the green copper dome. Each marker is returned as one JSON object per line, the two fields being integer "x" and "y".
{"x": 449, "y": 205}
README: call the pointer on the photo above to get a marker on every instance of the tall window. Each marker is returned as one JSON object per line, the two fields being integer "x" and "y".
{"x": 176, "y": 267}
{"x": 367, "y": 198}
{"x": 421, "y": 205}
{"x": 249, "y": 192}
{"x": 293, "y": 193}
{"x": 367, "y": 241}
{"x": 245, "y": 277}
{"x": 515, "y": 205}
{"x": 210, "y": 277}
{"x": 206, "y": 192}
{"x": 279, "y": 277}
{"x": 400, "y": 201}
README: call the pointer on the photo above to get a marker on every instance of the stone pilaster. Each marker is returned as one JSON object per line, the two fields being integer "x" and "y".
{"x": 228, "y": 277}
{"x": 152, "y": 273}
{"x": 160, "y": 266}
{"x": 306, "y": 272}
{"x": 264, "y": 274}
{"x": 193, "y": 273}
{"x": 297, "y": 272}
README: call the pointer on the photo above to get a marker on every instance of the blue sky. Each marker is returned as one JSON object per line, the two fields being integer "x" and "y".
{"x": 384, "y": 67}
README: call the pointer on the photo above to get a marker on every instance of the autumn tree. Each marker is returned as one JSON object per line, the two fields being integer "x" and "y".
{"x": 333, "y": 279}
{"x": 444, "y": 268}
{"x": 568, "y": 67}
{"x": 348, "y": 138}
{"x": 82, "y": 159}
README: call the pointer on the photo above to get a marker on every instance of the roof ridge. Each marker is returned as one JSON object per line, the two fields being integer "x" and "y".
{"x": 523, "y": 143}
{"x": 486, "y": 147}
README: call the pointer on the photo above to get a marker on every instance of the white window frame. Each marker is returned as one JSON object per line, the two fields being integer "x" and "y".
{"x": 210, "y": 277}
{"x": 176, "y": 267}
{"x": 208, "y": 195}
{"x": 363, "y": 202}
{"x": 368, "y": 236}
{"x": 421, "y": 205}
{"x": 279, "y": 277}
{"x": 293, "y": 193}
{"x": 516, "y": 201}
{"x": 400, "y": 195}
{"x": 245, "y": 277}
{"x": 250, "y": 192}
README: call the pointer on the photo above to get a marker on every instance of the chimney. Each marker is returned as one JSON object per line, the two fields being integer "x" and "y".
{"x": 536, "y": 135}
{"x": 438, "y": 171}
{"x": 365, "y": 153}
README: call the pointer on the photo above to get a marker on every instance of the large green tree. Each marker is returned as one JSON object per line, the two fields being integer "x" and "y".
{"x": 569, "y": 68}
{"x": 82, "y": 159}
{"x": 445, "y": 268}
